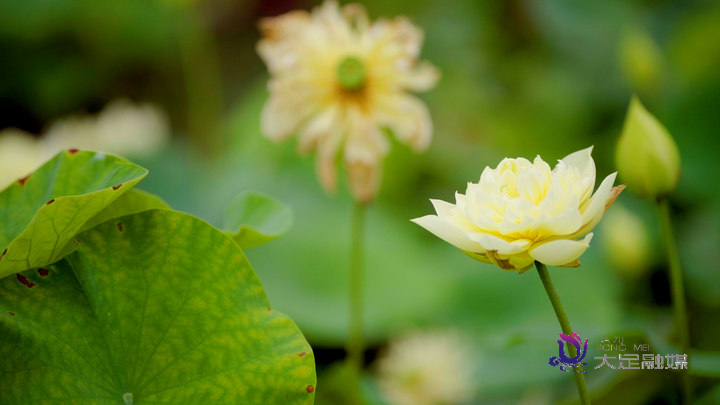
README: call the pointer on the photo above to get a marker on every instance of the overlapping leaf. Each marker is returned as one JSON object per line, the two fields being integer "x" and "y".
{"x": 156, "y": 307}
{"x": 43, "y": 212}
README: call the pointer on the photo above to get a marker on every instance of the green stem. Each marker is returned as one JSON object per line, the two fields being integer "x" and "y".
{"x": 355, "y": 347}
{"x": 677, "y": 289}
{"x": 564, "y": 325}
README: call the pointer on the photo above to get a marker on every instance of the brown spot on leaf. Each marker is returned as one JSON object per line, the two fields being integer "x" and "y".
{"x": 23, "y": 180}
{"x": 302, "y": 354}
{"x": 50, "y": 202}
{"x": 11, "y": 313}
{"x": 120, "y": 226}
{"x": 269, "y": 309}
{"x": 43, "y": 272}
{"x": 310, "y": 389}
{"x": 117, "y": 187}
{"x": 73, "y": 151}
{"x": 3, "y": 254}
{"x": 23, "y": 280}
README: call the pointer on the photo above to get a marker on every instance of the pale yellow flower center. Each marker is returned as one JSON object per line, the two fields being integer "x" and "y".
{"x": 351, "y": 73}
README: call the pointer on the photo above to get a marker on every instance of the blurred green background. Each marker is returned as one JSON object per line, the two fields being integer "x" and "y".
{"x": 519, "y": 78}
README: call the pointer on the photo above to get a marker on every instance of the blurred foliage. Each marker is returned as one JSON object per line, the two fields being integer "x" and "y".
{"x": 520, "y": 78}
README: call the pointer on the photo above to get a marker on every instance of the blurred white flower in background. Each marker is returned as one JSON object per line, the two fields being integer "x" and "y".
{"x": 121, "y": 128}
{"x": 338, "y": 81}
{"x": 427, "y": 368}
{"x": 20, "y": 154}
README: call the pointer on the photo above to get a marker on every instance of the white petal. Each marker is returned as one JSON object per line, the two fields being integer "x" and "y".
{"x": 278, "y": 120}
{"x": 567, "y": 222}
{"x": 561, "y": 251}
{"x": 447, "y": 232}
{"x": 422, "y": 77}
{"x": 594, "y": 208}
{"x": 502, "y": 247}
{"x": 318, "y": 127}
{"x": 442, "y": 208}
{"x": 583, "y": 160}
{"x": 408, "y": 118}
{"x": 325, "y": 160}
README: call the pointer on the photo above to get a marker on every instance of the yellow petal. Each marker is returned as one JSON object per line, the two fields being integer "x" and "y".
{"x": 502, "y": 247}
{"x": 560, "y": 252}
{"x": 583, "y": 160}
{"x": 408, "y": 118}
{"x": 448, "y": 232}
{"x": 595, "y": 207}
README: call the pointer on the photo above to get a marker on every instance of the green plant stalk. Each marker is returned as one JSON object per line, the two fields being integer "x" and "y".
{"x": 677, "y": 290}
{"x": 356, "y": 344}
{"x": 564, "y": 325}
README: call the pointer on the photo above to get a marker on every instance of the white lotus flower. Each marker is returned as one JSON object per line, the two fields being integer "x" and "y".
{"x": 338, "y": 81}
{"x": 523, "y": 211}
{"x": 20, "y": 154}
{"x": 122, "y": 127}
{"x": 430, "y": 368}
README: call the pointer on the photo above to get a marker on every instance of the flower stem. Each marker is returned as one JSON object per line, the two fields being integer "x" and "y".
{"x": 356, "y": 345}
{"x": 564, "y": 325}
{"x": 677, "y": 289}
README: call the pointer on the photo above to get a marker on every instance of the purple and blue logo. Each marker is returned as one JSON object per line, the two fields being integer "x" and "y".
{"x": 570, "y": 364}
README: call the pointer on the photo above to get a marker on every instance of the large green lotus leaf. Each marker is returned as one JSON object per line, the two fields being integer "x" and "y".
{"x": 132, "y": 202}
{"x": 152, "y": 308}
{"x": 43, "y": 212}
{"x": 254, "y": 218}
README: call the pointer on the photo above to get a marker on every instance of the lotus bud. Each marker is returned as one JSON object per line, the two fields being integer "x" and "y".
{"x": 640, "y": 60}
{"x": 647, "y": 157}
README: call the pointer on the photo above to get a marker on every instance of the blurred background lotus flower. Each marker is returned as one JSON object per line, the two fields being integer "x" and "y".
{"x": 627, "y": 241}
{"x": 427, "y": 368}
{"x": 339, "y": 82}
{"x": 523, "y": 211}
{"x": 20, "y": 155}
{"x": 122, "y": 128}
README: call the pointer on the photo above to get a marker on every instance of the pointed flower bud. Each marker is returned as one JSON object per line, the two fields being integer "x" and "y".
{"x": 648, "y": 159}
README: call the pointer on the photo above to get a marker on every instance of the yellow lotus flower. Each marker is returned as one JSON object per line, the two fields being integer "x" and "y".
{"x": 523, "y": 211}
{"x": 338, "y": 81}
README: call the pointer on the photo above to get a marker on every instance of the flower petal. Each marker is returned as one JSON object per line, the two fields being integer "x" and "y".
{"x": 502, "y": 247}
{"x": 407, "y": 117}
{"x": 583, "y": 160}
{"x": 448, "y": 232}
{"x": 421, "y": 77}
{"x": 442, "y": 208}
{"x": 560, "y": 252}
{"x": 279, "y": 120}
{"x": 593, "y": 209}
{"x": 318, "y": 127}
